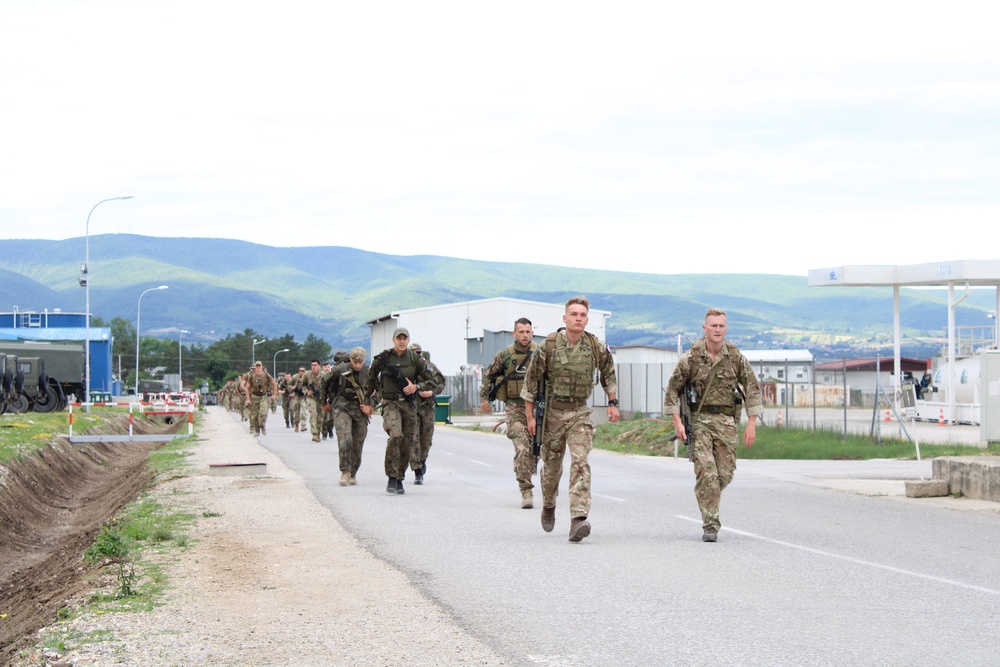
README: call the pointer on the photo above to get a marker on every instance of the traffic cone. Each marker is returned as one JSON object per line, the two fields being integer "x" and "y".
{"x": 888, "y": 418}
{"x": 779, "y": 418}
{"x": 941, "y": 421}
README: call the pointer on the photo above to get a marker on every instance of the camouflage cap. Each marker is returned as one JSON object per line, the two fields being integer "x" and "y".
{"x": 358, "y": 354}
{"x": 416, "y": 347}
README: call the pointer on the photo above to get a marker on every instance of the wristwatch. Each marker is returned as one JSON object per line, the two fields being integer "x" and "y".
{"x": 613, "y": 402}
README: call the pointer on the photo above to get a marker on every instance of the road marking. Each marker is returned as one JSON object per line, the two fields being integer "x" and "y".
{"x": 601, "y": 495}
{"x": 488, "y": 465}
{"x": 850, "y": 559}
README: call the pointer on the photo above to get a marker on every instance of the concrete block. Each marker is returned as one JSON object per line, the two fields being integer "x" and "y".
{"x": 237, "y": 469}
{"x": 926, "y": 488}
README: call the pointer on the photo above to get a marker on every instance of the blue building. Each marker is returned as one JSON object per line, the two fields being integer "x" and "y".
{"x": 57, "y": 326}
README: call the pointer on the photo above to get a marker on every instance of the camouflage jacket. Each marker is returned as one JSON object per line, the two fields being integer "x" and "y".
{"x": 731, "y": 369}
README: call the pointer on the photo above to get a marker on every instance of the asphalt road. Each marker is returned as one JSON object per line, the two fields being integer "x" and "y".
{"x": 801, "y": 574}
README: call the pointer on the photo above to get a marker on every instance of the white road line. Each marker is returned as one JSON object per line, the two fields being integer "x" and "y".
{"x": 850, "y": 559}
{"x": 601, "y": 495}
{"x": 482, "y": 463}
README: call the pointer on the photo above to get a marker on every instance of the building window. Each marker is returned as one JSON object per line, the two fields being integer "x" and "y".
{"x": 781, "y": 374}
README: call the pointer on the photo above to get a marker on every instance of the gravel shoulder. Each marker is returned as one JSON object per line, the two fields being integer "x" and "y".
{"x": 273, "y": 579}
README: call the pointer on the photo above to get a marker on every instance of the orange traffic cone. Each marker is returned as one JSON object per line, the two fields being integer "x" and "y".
{"x": 779, "y": 418}
{"x": 941, "y": 421}
{"x": 888, "y": 418}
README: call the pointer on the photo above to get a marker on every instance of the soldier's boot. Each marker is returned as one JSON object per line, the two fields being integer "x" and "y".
{"x": 527, "y": 499}
{"x": 579, "y": 528}
{"x": 296, "y": 428}
{"x": 548, "y": 518}
{"x": 345, "y": 478}
{"x": 391, "y": 486}
{"x": 418, "y": 475}
{"x": 710, "y": 535}
{"x": 399, "y": 487}
{"x": 352, "y": 480}
{"x": 263, "y": 431}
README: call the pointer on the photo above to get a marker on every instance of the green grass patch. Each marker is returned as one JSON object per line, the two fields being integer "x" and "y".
{"x": 651, "y": 437}
{"x": 23, "y": 435}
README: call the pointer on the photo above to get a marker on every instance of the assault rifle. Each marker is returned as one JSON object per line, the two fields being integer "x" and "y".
{"x": 401, "y": 380}
{"x": 689, "y": 398}
{"x": 539, "y": 413}
{"x": 518, "y": 368}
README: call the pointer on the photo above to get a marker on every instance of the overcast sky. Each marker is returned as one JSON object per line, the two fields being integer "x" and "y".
{"x": 662, "y": 137}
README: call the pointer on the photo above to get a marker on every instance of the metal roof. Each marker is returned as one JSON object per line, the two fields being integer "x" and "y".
{"x": 886, "y": 363}
{"x": 973, "y": 272}
{"x": 55, "y": 333}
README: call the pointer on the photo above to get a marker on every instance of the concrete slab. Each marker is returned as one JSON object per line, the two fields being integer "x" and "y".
{"x": 237, "y": 469}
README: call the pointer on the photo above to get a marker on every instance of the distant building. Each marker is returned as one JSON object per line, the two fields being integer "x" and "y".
{"x": 863, "y": 375}
{"x": 793, "y": 366}
{"x": 447, "y": 331}
{"x": 57, "y": 326}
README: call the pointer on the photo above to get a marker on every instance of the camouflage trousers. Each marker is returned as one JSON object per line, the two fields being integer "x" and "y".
{"x": 352, "y": 429}
{"x": 311, "y": 407}
{"x": 425, "y": 433}
{"x": 294, "y": 409}
{"x": 326, "y": 421}
{"x": 714, "y": 463}
{"x": 517, "y": 431}
{"x": 257, "y": 412}
{"x": 286, "y": 408}
{"x": 399, "y": 419}
{"x": 572, "y": 430}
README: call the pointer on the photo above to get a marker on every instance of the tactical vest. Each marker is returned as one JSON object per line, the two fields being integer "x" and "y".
{"x": 407, "y": 365}
{"x": 514, "y": 361}
{"x": 573, "y": 377}
{"x": 260, "y": 386}
{"x": 723, "y": 387}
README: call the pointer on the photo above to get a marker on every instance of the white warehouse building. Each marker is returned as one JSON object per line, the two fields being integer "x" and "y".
{"x": 443, "y": 330}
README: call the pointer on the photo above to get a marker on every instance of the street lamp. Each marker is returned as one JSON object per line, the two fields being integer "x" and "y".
{"x": 254, "y": 347}
{"x": 180, "y": 359}
{"x": 138, "y": 315}
{"x": 274, "y": 370}
{"x": 85, "y": 282}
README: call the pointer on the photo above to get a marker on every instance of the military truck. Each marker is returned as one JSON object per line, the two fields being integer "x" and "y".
{"x": 11, "y": 384}
{"x": 42, "y": 392}
{"x": 63, "y": 363}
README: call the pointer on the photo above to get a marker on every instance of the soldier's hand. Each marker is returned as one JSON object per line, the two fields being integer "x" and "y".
{"x": 410, "y": 387}
{"x": 531, "y": 424}
{"x": 367, "y": 409}
{"x": 326, "y": 407}
{"x": 485, "y": 408}
{"x": 426, "y": 393}
{"x": 613, "y": 414}
{"x": 749, "y": 435}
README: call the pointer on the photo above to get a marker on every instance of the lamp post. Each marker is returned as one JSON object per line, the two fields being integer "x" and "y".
{"x": 138, "y": 336}
{"x": 274, "y": 364}
{"x": 85, "y": 282}
{"x": 253, "y": 347}
{"x": 180, "y": 359}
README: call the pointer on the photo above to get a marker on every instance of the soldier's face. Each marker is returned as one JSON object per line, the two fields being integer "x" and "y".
{"x": 576, "y": 318}
{"x": 715, "y": 328}
{"x": 356, "y": 365}
{"x": 258, "y": 369}
{"x": 400, "y": 343}
{"x": 522, "y": 334}
{"x": 314, "y": 366}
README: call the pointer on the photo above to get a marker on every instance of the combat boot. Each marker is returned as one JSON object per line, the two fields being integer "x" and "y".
{"x": 353, "y": 481}
{"x": 391, "y": 486}
{"x": 579, "y": 528}
{"x": 710, "y": 535}
{"x": 548, "y": 518}
{"x": 527, "y": 499}
{"x": 345, "y": 478}
{"x": 418, "y": 475}
{"x": 399, "y": 487}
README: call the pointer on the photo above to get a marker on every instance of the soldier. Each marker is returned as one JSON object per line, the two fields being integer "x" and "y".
{"x": 343, "y": 392}
{"x": 285, "y": 393}
{"x": 296, "y": 404}
{"x": 720, "y": 379}
{"x": 398, "y": 373}
{"x": 326, "y": 414}
{"x": 426, "y": 409}
{"x": 310, "y": 386}
{"x": 260, "y": 388}
{"x": 564, "y": 366}
{"x": 504, "y": 379}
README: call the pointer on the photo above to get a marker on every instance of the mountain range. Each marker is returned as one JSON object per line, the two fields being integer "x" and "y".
{"x": 220, "y": 287}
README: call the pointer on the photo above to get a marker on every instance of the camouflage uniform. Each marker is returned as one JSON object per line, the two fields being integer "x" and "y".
{"x": 426, "y": 416}
{"x": 567, "y": 422}
{"x": 286, "y": 398}
{"x": 326, "y": 413}
{"x": 342, "y": 390}
{"x": 713, "y": 418}
{"x": 295, "y": 403}
{"x": 311, "y": 387}
{"x": 399, "y": 417}
{"x": 258, "y": 389}
{"x": 506, "y": 361}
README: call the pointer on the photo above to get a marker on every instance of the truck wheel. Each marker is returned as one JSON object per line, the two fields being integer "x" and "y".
{"x": 18, "y": 404}
{"x": 49, "y": 402}
{"x": 19, "y": 381}
{"x": 8, "y": 381}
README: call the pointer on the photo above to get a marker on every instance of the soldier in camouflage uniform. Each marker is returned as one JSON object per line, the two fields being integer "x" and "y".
{"x": 295, "y": 403}
{"x": 722, "y": 380}
{"x": 566, "y": 364}
{"x": 342, "y": 391}
{"x": 326, "y": 413}
{"x": 398, "y": 373}
{"x": 426, "y": 416}
{"x": 259, "y": 388}
{"x": 285, "y": 393}
{"x": 505, "y": 376}
{"x": 311, "y": 382}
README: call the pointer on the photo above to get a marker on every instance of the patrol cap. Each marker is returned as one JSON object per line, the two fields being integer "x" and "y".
{"x": 416, "y": 347}
{"x": 358, "y": 354}
{"x": 401, "y": 331}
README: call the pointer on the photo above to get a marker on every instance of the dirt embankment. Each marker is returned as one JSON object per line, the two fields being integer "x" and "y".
{"x": 51, "y": 506}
